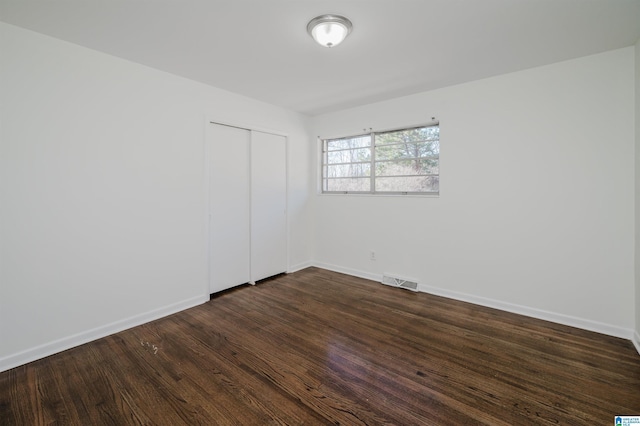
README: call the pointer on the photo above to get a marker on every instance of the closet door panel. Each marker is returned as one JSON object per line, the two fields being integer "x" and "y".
{"x": 229, "y": 198}
{"x": 268, "y": 205}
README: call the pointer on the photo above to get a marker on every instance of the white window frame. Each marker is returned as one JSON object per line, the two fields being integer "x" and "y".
{"x": 372, "y": 164}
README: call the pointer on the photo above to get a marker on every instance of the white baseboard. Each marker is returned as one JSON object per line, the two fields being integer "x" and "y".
{"x": 299, "y": 267}
{"x": 348, "y": 271}
{"x": 571, "y": 321}
{"x": 636, "y": 341}
{"x": 69, "y": 342}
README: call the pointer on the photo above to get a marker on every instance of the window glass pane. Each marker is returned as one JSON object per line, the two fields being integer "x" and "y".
{"x": 348, "y": 170}
{"x": 405, "y": 160}
{"x": 408, "y": 167}
{"x": 408, "y": 184}
{"x": 419, "y": 134}
{"x": 349, "y": 184}
{"x": 349, "y": 143}
{"x": 407, "y": 150}
{"x": 349, "y": 156}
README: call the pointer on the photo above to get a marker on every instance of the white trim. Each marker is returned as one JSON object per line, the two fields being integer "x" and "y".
{"x": 636, "y": 341}
{"x": 349, "y": 271}
{"x": 299, "y": 267}
{"x": 207, "y": 211}
{"x": 380, "y": 194}
{"x": 563, "y": 319}
{"x": 245, "y": 126}
{"x": 72, "y": 341}
{"x": 568, "y": 320}
{"x": 433, "y": 122}
{"x": 287, "y": 190}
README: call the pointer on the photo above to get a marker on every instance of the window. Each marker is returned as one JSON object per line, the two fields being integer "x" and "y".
{"x": 405, "y": 161}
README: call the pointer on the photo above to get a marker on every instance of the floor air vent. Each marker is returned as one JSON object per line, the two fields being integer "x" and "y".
{"x": 400, "y": 282}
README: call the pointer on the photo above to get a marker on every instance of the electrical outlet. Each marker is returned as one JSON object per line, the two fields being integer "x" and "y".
{"x": 372, "y": 255}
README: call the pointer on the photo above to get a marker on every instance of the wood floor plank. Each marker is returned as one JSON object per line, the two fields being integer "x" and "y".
{"x": 317, "y": 347}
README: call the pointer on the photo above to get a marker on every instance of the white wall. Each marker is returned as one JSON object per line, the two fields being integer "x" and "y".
{"x": 537, "y": 195}
{"x": 102, "y": 194}
{"x": 102, "y": 198}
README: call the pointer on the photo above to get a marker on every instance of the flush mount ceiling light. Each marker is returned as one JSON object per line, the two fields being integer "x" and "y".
{"x": 329, "y": 30}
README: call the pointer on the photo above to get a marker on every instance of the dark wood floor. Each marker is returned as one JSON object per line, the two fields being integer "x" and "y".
{"x": 317, "y": 347}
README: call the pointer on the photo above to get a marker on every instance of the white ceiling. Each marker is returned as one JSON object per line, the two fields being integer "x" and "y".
{"x": 260, "y": 48}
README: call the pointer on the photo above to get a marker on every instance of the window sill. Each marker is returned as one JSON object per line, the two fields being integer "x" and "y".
{"x": 383, "y": 195}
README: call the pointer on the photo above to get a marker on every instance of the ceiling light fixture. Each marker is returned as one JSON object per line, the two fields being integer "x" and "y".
{"x": 329, "y": 30}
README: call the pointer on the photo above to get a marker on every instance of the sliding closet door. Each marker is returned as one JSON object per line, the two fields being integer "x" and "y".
{"x": 229, "y": 198}
{"x": 268, "y": 205}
